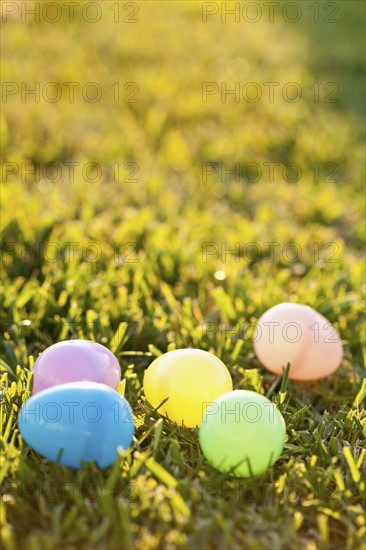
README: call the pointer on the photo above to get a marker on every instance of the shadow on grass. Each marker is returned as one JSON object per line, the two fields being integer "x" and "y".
{"x": 338, "y": 50}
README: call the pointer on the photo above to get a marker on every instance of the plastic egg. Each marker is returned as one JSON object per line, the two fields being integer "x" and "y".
{"x": 299, "y": 335}
{"x": 75, "y": 361}
{"x": 243, "y": 433}
{"x": 81, "y": 421}
{"x": 190, "y": 379}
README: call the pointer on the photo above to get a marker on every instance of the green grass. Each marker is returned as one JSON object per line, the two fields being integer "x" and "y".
{"x": 163, "y": 493}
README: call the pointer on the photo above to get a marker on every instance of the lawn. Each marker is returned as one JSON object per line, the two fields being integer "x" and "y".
{"x": 171, "y": 177}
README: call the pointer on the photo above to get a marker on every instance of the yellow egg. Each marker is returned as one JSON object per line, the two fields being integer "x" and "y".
{"x": 191, "y": 379}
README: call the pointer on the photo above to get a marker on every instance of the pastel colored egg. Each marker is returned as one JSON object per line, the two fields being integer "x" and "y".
{"x": 75, "y": 361}
{"x": 190, "y": 379}
{"x": 80, "y": 421}
{"x": 243, "y": 433}
{"x": 299, "y": 335}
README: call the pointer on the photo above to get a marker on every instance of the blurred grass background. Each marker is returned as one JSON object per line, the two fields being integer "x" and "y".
{"x": 168, "y": 293}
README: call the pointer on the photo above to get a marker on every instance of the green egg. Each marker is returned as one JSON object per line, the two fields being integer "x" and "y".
{"x": 243, "y": 433}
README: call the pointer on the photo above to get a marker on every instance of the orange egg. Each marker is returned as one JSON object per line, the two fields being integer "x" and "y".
{"x": 299, "y": 335}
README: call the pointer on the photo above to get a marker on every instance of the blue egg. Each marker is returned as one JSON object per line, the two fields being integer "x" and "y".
{"x": 79, "y": 421}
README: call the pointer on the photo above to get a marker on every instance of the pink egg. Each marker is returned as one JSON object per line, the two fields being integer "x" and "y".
{"x": 75, "y": 361}
{"x": 299, "y": 335}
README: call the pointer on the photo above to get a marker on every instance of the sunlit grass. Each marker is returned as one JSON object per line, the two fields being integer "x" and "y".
{"x": 126, "y": 263}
